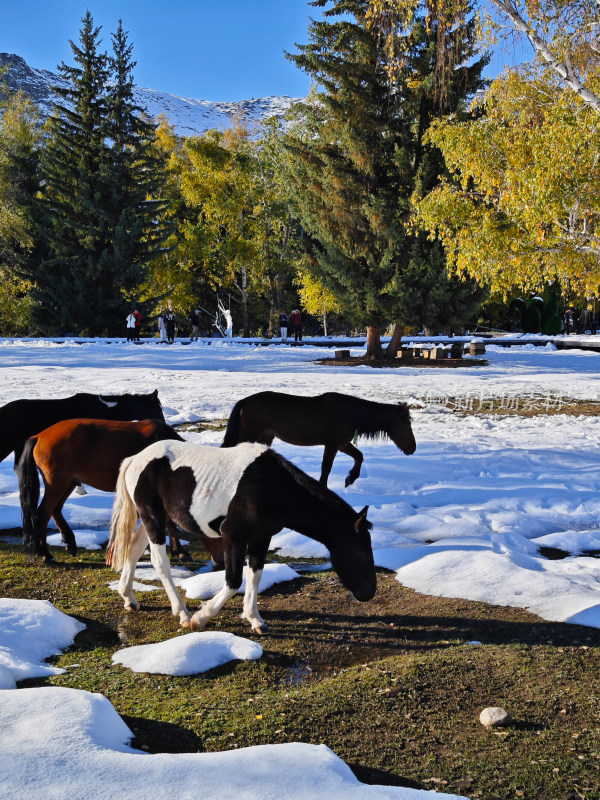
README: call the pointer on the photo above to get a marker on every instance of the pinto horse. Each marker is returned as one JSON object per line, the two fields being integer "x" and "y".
{"x": 245, "y": 495}
{"x": 332, "y": 419}
{"x": 21, "y": 419}
{"x": 78, "y": 451}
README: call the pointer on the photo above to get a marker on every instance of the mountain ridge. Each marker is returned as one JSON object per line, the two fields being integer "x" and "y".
{"x": 188, "y": 116}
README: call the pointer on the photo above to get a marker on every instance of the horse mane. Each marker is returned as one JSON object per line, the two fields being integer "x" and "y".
{"x": 309, "y": 483}
{"x": 372, "y": 420}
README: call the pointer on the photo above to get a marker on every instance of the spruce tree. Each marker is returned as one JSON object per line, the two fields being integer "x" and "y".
{"x": 72, "y": 289}
{"x": 137, "y": 214}
{"x": 99, "y": 172}
{"x": 357, "y": 158}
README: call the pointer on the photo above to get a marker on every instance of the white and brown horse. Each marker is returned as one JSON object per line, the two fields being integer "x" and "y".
{"x": 245, "y": 495}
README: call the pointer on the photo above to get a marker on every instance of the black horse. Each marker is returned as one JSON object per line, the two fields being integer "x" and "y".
{"x": 332, "y": 419}
{"x": 21, "y": 419}
{"x": 243, "y": 495}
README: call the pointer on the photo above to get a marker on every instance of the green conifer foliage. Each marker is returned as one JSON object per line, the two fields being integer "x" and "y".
{"x": 137, "y": 211}
{"x": 99, "y": 171}
{"x": 357, "y": 159}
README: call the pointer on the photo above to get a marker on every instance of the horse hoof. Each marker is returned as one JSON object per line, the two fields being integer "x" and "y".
{"x": 72, "y": 551}
{"x": 183, "y": 555}
{"x": 260, "y": 629}
{"x": 197, "y": 624}
{"x": 185, "y": 623}
{"x": 50, "y": 561}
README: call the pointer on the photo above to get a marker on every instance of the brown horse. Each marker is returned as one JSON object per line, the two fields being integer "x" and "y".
{"x": 80, "y": 451}
{"x": 331, "y": 419}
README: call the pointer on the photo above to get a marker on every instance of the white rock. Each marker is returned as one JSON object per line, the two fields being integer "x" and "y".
{"x": 494, "y": 717}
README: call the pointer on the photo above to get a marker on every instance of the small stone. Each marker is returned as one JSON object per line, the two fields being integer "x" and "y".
{"x": 494, "y": 717}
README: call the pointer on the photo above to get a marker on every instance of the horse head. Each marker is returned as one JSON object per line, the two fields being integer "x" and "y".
{"x": 142, "y": 406}
{"x": 353, "y": 559}
{"x": 401, "y": 432}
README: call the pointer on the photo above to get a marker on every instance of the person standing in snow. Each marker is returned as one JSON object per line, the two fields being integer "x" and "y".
{"x": 283, "y": 326}
{"x": 568, "y": 321}
{"x": 138, "y": 324}
{"x": 162, "y": 328}
{"x": 130, "y": 323}
{"x": 296, "y": 320}
{"x": 195, "y": 323}
{"x": 171, "y": 325}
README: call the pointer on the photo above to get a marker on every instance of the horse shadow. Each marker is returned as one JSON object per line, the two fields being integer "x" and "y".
{"x": 386, "y": 634}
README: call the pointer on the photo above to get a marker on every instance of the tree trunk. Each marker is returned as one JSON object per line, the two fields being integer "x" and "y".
{"x": 395, "y": 341}
{"x": 243, "y": 289}
{"x": 374, "y": 349}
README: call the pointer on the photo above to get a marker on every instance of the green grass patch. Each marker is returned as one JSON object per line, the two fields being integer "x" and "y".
{"x": 394, "y": 686}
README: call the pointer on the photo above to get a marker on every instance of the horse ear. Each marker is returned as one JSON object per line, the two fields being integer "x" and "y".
{"x": 362, "y": 523}
{"x": 155, "y": 393}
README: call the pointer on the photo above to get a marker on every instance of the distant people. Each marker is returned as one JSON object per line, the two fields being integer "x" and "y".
{"x": 195, "y": 323}
{"x": 162, "y": 325}
{"x": 283, "y": 326}
{"x": 130, "y": 326}
{"x": 296, "y": 320}
{"x": 138, "y": 324}
{"x": 587, "y": 319}
{"x": 171, "y": 326}
{"x": 568, "y": 321}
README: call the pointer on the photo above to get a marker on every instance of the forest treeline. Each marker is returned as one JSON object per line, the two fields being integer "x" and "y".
{"x": 401, "y": 194}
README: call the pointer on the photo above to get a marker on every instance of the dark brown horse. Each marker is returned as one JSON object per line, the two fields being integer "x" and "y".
{"x": 331, "y": 419}
{"x": 21, "y": 419}
{"x": 80, "y": 451}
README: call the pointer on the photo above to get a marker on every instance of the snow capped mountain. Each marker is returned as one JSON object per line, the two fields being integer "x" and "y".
{"x": 188, "y": 116}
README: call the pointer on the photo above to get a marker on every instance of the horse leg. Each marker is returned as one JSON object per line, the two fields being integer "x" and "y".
{"x": 176, "y": 549}
{"x": 160, "y": 562}
{"x": 235, "y": 553}
{"x": 138, "y": 544}
{"x": 51, "y": 500}
{"x": 327, "y": 463}
{"x": 257, "y": 553}
{"x": 358, "y": 457}
{"x": 63, "y": 526}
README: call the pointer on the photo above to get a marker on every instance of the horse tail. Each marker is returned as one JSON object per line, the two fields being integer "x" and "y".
{"x": 29, "y": 493}
{"x": 122, "y": 523}
{"x": 232, "y": 433}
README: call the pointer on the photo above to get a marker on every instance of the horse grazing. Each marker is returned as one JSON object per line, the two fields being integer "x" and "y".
{"x": 331, "y": 419}
{"x": 21, "y": 419}
{"x": 245, "y": 495}
{"x": 78, "y": 451}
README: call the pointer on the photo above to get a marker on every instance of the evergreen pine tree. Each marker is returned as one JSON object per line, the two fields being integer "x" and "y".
{"x": 359, "y": 156}
{"x": 136, "y": 211}
{"x": 71, "y": 288}
{"x": 100, "y": 174}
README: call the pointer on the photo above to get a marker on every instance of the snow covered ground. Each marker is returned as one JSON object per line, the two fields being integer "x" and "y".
{"x": 462, "y": 517}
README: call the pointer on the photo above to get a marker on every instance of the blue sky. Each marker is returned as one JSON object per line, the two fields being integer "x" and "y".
{"x": 205, "y": 49}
